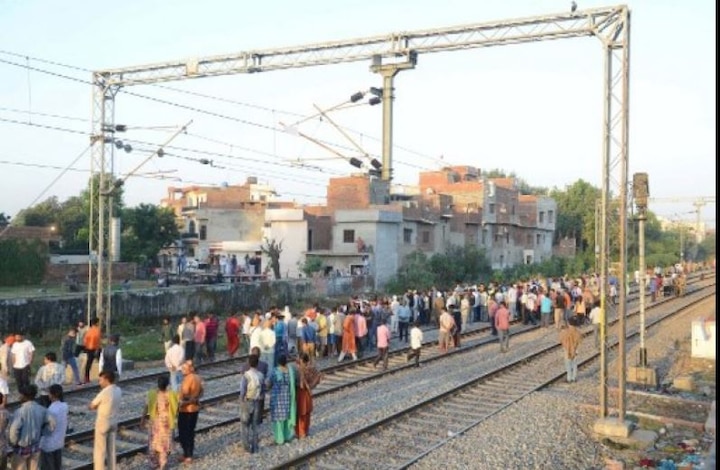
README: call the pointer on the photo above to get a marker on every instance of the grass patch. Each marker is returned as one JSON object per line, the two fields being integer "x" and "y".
{"x": 138, "y": 342}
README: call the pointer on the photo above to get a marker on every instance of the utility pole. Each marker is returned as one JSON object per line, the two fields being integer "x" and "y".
{"x": 388, "y": 72}
{"x": 641, "y": 191}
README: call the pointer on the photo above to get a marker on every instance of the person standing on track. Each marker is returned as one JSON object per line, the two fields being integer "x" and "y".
{"x": 191, "y": 391}
{"x": 26, "y": 430}
{"x": 174, "y": 358}
{"x": 49, "y": 374}
{"x": 161, "y": 408}
{"x": 232, "y": 332}
{"x": 502, "y": 323}
{"x": 107, "y": 404}
{"x": 91, "y": 345}
{"x": 111, "y": 357}
{"x": 283, "y": 405}
{"x": 416, "y": 337}
{"x": 348, "y": 338}
{"x": 51, "y": 444}
{"x": 383, "y": 344}
{"x": 308, "y": 378}
{"x": 211, "y": 333}
{"x": 21, "y": 357}
{"x": 68, "y": 355}
{"x": 444, "y": 334}
{"x": 570, "y": 339}
{"x": 252, "y": 391}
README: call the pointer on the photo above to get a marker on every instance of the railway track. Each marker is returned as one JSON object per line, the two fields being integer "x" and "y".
{"x": 220, "y": 406}
{"x": 225, "y": 366}
{"x": 468, "y": 404}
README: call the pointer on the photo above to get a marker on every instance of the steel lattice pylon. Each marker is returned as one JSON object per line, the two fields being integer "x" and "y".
{"x": 389, "y": 54}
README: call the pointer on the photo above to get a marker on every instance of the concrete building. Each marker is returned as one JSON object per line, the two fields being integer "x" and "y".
{"x": 492, "y": 214}
{"x": 225, "y": 220}
{"x": 365, "y": 229}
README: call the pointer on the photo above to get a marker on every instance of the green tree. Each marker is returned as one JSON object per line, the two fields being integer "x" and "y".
{"x": 523, "y": 186}
{"x": 414, "y": 273}
{"x": 23, "y": 262}
{"x": 311, "y": 265}
{"x": 576, "y": 213}
{"x": 146, "y": 229}
{"x": 4, "y": 219}
{"x": 42, "y": 214}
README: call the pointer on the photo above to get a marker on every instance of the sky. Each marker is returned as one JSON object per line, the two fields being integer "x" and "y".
{"x": 533, "y": 109}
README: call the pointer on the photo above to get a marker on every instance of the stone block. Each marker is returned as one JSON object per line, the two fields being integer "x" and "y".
{"x": 684, "y": 383}
{"x": 642, "y": 375}
{"x": 710, "y": 421}
{"x": 612, "y": 427}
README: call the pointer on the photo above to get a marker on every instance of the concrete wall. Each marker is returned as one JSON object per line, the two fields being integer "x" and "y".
{"x": 148, "y": 306}
{"x": 55, "y": 273}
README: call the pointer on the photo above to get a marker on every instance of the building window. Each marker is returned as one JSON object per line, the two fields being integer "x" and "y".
{"x": 550, "y": 217}
{"x": 542, "y": 217}
{"x": 537, "y": 239}
{"x": 529, "y": 239}
{"x": 512, "y": 209}
{"x": 426, "y": 236}
{"x": 507, "y": 238}
{"x": 348, "y": 236}
{"x": 191, "y": 226}
{"x": 407, "y": 236}
{"x": 492, "y": 208}
{"x": 203, "y": 232}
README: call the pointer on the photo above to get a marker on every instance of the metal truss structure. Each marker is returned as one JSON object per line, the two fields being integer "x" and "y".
{"x": 388, "y": 55}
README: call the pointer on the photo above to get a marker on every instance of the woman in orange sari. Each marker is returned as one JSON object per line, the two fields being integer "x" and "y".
{"x": 348, "y": 337}
{"x": 308, "y": 380}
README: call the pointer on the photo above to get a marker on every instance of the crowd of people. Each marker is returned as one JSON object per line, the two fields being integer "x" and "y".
{"x": 33, "y": 435}
{"x": 282, "y": 350}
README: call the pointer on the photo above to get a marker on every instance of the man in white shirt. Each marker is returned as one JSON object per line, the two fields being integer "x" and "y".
{"x": 107, "y": 404}
{"x": 174, "y": 358}
{"x": 416, "y": 337}
{"x": 21, "y": 356}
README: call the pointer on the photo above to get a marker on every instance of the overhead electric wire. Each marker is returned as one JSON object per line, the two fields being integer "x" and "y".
{"x": 44, "y": 126}
{"x": 200, "y": 110}
{"x": 38, "y": 113}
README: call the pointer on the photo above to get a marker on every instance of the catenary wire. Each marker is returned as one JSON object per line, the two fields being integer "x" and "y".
{"x": 200, "y": 110}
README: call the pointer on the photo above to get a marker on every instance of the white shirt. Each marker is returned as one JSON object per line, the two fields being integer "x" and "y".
{"x": 108, "y": 403}
{"x": 4, "y": 387}
{"x": 255, "y": 337}
{"x": 595, "y": 315}
{"x": 267, "y": 340}
{"x": 22, "y": 353}
{"x": 174, "y": 357}
{"x": 416, "y": 337}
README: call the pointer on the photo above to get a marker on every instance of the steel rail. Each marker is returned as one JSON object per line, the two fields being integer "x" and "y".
{"x": 302, "y": 461}
{"x": 127, "y": 426}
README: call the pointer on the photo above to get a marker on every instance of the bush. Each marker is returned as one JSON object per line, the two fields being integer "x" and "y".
{"x": 22, "y": 262}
